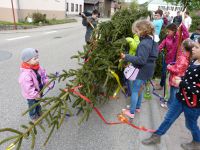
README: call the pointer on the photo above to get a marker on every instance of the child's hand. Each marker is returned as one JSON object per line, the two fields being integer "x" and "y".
{"x": 177, "y": 80}
{"x": 168, "y": 66}
{"x": 51, "y": 85}
{"x": 122, "y": 55}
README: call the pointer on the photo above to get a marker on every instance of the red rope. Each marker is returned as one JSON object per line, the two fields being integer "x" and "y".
{"x": 121, "y": 117}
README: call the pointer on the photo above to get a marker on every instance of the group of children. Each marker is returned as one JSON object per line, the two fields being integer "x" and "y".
{"x": 182, "y": 62}
{"x": 186, "y": 98}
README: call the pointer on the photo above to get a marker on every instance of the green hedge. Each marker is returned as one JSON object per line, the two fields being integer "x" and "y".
{"x": 39, "y": 17}
{"x": 195, "y": 23}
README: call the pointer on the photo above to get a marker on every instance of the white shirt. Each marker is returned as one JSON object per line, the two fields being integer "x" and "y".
{"x": 188, "y": 22}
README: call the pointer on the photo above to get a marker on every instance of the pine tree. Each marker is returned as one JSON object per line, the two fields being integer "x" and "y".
{"x": 95, "y": 75}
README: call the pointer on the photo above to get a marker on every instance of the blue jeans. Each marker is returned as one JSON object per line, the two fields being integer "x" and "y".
{"x": 191, "y": 122}
{"x": 130, "y": 84}
{"x": 173, "y": 91}
{"x": 36, "y": 111}
{"x": 163, "y": 75}
{"x": 136, "y": 95}
{"x": 174, "y": 111}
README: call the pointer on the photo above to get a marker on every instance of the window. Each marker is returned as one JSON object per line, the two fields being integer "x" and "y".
{"x": 76, "y": 7}
{"x": 80, "y": 8}
{"x": 72, "y": 7}
{"x": 67, "y": 6}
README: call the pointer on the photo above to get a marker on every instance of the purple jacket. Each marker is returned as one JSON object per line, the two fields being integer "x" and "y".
{"x": 29, "y": 83}
{"x": 171, "y": 44}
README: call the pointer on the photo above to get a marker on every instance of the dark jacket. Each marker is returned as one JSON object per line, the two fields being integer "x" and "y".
{"x": 89, "y": 29}
{"x": 189, "y": 88}
{"x": 145, "y": 58}
{"x": 177, "y": 20}
{"x": 195, "y": 37}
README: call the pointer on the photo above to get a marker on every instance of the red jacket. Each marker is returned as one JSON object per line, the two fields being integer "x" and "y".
{"x": 179, "y": 68}
{"x": 171, "y": 44}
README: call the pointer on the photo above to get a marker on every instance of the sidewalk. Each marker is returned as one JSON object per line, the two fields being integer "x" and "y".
{"x": 123, "y": 137}
{"x": 51, "y": 27}
{"x": 177, "y": 134}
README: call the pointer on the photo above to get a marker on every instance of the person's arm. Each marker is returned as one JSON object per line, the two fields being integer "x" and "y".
{"x": 141, "y": 58}
{"x": 185, "y": 32}
{"x": 179, "y": 67}
{"x": 84, "y": 22}
{"x": 45, "y": 79}
{"x": 90, "y": 22}
{"x": 94, "y": 23}
{"x": 189, "y": 23}
{"x": 162, "y": 45}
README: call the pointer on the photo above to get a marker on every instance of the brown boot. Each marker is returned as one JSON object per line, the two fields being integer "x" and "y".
{"x": 191, "y": 146}
{"x": 154, "y": 139}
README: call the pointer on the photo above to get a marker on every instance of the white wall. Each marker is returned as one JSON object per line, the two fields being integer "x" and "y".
{"x": 58, "y": 5}
{"x": 49, "y": 7}
{"x": 7, "y": 3}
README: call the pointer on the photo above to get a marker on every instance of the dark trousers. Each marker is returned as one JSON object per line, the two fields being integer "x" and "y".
{"x": 36, "y": 111}
{"x": 164, "y": 74}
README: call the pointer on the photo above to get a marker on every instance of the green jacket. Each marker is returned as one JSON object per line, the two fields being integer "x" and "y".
{"x": 133, "y": 43}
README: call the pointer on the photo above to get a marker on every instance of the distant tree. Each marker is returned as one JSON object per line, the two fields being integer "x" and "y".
{"x": 189, "y": 4}
{"x": 134, "y": 4}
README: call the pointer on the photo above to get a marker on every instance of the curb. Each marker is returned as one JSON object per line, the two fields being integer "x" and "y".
{"x": 11, "y": 27}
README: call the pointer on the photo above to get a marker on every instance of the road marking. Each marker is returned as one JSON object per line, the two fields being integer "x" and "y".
{"x": 50, "y": 32}
{"x": 17, "y": 38}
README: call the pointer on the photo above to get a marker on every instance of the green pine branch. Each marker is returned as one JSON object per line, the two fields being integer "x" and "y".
{"x": 98, "y": 83}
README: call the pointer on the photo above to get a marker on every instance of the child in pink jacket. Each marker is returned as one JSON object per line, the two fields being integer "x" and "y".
{"x": 32, "y": 79}
{"x": 178, "y": 69}
{"x": 171, "y": 44}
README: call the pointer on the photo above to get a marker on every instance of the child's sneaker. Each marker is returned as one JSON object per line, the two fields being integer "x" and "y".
{"x": 163, "y": 105}
{"x": 128, "y": 113}
{"x": 147, "y": 96}
{"x": 128, "y": 107}
{"x": 138, "y": 110}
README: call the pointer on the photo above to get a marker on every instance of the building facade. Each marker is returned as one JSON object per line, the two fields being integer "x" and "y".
{"x": 161, "y": 4}
{"x": 73, "y": 7}
{"x": 103, "y": 6}
{"x": 6, "y": 10}
{"x": 57, "y": 9}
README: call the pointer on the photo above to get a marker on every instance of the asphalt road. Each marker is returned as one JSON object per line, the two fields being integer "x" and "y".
{"x": 56, "y": 44}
